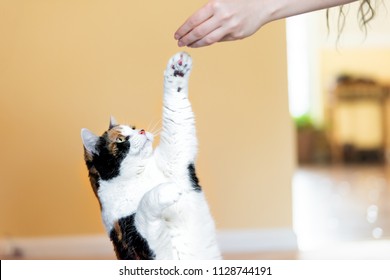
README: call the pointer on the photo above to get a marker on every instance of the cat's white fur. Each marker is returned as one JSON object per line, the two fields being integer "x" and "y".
{"x": 170, "y": 215}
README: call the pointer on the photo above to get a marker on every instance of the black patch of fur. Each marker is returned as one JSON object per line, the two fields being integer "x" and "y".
{"x": 178, "y": 73}
{"x": 107, "y": 163}
{"x": 129, "y": 244}
{"x": 193, "y": 178}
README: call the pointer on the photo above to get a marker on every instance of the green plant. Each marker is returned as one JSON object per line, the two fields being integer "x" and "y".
{"x": 303, "y": 121}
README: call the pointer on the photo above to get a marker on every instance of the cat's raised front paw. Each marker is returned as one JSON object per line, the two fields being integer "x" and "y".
{"x": 179, "y": 66}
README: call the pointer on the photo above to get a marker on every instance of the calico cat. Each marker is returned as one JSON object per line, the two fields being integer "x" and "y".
{"x": 151, "y": 202}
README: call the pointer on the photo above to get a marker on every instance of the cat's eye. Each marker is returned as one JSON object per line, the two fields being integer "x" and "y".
{"x": 120, "y": 139}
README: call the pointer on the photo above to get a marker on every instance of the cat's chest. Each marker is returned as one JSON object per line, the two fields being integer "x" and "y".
{"x": 125, "y": 194}
{"x": 120, "y": 197}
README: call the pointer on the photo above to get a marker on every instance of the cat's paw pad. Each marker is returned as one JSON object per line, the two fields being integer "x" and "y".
{"x": 179, "y": 65}
{"x": 169, "y": 194}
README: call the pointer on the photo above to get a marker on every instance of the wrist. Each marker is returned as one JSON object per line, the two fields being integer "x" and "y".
{"x": 278, "y": 9}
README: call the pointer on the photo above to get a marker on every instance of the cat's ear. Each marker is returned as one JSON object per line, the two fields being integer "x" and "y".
{"x": 112, "y": 122}
{"x": 89, "y": 140}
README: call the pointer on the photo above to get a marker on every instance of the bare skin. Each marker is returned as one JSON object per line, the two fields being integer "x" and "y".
{"x": 228, "y": 20}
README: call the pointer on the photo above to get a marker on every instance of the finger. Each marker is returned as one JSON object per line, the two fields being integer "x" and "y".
{"x": 200, "y": 32}
{"x": 213, "y": 37}
{"x": 193, "y": 21}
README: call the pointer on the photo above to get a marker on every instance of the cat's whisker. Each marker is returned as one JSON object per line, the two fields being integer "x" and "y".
{"x": 156, "y": 132}
{"x": 148, "y": 127}
{"x": 155, "y": 129}
{"x": 155, "y": 125}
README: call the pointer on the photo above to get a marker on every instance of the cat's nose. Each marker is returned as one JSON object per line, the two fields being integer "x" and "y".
{"x": 142, "y": 131}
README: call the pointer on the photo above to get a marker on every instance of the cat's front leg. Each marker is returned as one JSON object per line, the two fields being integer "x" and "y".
{"x": 178, "y": 142}
{"x": 154, "y": 202}
{"x": 153, "y": 213}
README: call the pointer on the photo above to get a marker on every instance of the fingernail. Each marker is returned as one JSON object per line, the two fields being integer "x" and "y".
{"x": 177, "y": 37}
{"x": 180, "y": 44}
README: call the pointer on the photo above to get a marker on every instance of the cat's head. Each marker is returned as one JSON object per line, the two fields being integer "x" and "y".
{"x": 119, "y": 145}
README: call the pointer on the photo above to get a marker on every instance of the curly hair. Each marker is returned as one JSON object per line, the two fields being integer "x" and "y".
{"x": 366, "y": 13}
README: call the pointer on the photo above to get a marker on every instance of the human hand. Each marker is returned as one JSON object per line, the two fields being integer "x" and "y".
{"x": 222, "y": 20}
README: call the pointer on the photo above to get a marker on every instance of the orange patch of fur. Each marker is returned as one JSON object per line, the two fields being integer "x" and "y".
{"x": 112, "y": 135}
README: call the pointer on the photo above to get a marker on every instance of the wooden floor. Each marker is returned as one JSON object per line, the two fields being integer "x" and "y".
{"x": 339, "y": 212}
{"x": 356, "y": 250}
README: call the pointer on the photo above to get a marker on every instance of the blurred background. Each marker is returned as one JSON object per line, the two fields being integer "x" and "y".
{"x": 293, "y": 125}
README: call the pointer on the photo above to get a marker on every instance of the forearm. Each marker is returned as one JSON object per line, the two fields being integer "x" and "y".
{"x": 227, "y": 20}
{"x": 178, "y": 142}
{"x": 178, "y": 135}
{"x": 278, "y": 9}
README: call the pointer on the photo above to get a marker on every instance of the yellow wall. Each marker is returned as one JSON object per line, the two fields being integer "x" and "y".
{"x": 69, "y": 64}
{"x": 368, "y": 62}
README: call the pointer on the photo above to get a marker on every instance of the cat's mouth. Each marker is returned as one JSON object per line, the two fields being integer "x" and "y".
{"x": 149, "y": 137}
{"x": 144, "y": 141}
{"x": 147, "y": 141}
